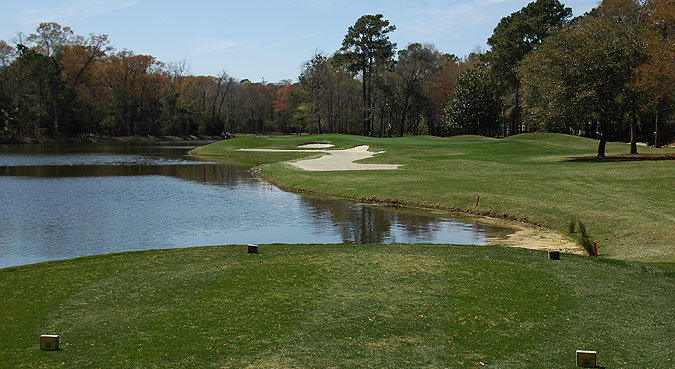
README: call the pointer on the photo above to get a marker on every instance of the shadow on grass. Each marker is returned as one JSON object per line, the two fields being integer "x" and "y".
{"x": 617, "y": 158}
{"x": 669, "y": 267}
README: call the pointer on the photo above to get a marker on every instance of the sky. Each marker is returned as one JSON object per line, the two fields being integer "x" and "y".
{"x": 261, "y": 40}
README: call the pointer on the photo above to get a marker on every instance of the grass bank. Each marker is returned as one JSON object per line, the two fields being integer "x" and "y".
{"x": 347, "y": 306}
{"x": 628, "y": 207}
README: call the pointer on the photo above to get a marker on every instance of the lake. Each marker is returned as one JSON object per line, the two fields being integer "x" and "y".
{"x": 60, "y": 201}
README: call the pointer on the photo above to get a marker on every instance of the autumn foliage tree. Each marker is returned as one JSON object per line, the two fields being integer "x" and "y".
{"x": 607, "y": 73}
{"x": 656, "y": 77}
{"x": 582, "y": 73}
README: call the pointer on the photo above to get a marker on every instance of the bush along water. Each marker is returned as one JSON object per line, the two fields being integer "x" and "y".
{"x": 585, "y": 239}
{"x": 572, "y": 225}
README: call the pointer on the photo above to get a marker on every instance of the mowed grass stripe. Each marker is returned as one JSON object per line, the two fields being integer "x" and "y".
{"x": 347, "y": 306}
{"x": 628, "y": 207}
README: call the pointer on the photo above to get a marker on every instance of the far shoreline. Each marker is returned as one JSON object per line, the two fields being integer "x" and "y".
{"x": 526, "y": 233}
{"x": 109, "y": 139}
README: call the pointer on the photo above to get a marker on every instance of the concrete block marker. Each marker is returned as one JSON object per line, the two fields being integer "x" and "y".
{"x": 586, "y": 359}
{"x": 252, "y": 249}
{"x": 554, "y": 255}
{"x": 49, "y": 342}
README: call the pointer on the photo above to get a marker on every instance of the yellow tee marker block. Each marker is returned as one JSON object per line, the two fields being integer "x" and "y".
{"x": 586, "y": 359}
{"x": 49, "y": 342}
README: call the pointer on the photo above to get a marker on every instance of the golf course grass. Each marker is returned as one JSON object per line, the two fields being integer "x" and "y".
{"x": 383, "y": 306}
{"x": 628, "y": 207}
{"x": 347, "y": 306}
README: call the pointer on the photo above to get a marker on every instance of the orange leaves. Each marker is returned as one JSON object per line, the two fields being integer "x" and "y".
{"x": 283, "y": 95}
{"x": 657, "y": 75}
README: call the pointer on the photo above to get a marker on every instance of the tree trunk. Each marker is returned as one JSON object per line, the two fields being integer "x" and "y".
{"x": 633, "y": 134}
{"x": 55, "y": 108}
{"x": 512, "y": 125}
{"x": 504, "y": 123}
{"x": 431, "y": 124}
{"x": 213, "y": 106}
{"x": 401, "y": 128}
{"x": 603, "y": 140}
{"x": 601, "y": 147}
{"x": 365, "y": 103}
{"x": 516, "y": 112}
{"x": 382, "y": 113}
{"x": 656, "y": 130}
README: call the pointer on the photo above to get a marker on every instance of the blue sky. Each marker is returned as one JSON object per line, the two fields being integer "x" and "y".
{"x": 261, "y": 39}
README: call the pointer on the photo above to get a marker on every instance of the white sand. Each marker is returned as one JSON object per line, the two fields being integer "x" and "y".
{"x": 537, "y": 239}
{"x": 336, "y": 160}
{"x": 315, "y": 146}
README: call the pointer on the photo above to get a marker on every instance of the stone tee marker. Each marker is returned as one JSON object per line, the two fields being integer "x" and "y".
{"x": 49, "y": 342}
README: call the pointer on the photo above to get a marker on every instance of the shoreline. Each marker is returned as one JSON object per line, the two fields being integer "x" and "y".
{"x": 108, "y": 139}
{"x": 526, "y": 235}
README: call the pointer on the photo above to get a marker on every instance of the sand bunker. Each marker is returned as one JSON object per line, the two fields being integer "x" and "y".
{"x": 343, "y": 160}
{"x": 336, "y": 160}
{"x": 315, "y": 146}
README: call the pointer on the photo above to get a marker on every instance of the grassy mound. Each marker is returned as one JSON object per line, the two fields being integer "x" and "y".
{"x": 349, "y": 306}
{"x": 627, "y": 206}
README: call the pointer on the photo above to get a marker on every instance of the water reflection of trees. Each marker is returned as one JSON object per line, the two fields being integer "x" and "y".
{"x": 221, "y": 174}
{"x": 364, "y": 224}
{"x": 149, "y": 154}
{"x": 354, "y": 223}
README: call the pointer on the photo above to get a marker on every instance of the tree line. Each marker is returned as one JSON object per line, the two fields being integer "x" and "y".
{"x": 55, "y": 83}
{"x": 607, "y": 74}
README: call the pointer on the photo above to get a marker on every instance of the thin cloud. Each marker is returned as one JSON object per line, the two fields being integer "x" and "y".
{"x": 429, "y": 19}
{"x": 311, "y": 35}
{"x": 75, "y": 8}
{"x": 214, "y": 46}
{"x": 472, "y": 12}
{"x": 321, "y": 4}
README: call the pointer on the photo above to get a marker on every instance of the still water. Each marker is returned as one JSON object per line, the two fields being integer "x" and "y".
{"x": 64, "y": 201}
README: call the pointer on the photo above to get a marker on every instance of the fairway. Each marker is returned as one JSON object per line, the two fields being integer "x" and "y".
{"x": 628, "y": 207}
{"x": 347, "y": 306}
{"x": 324, "y": 184}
